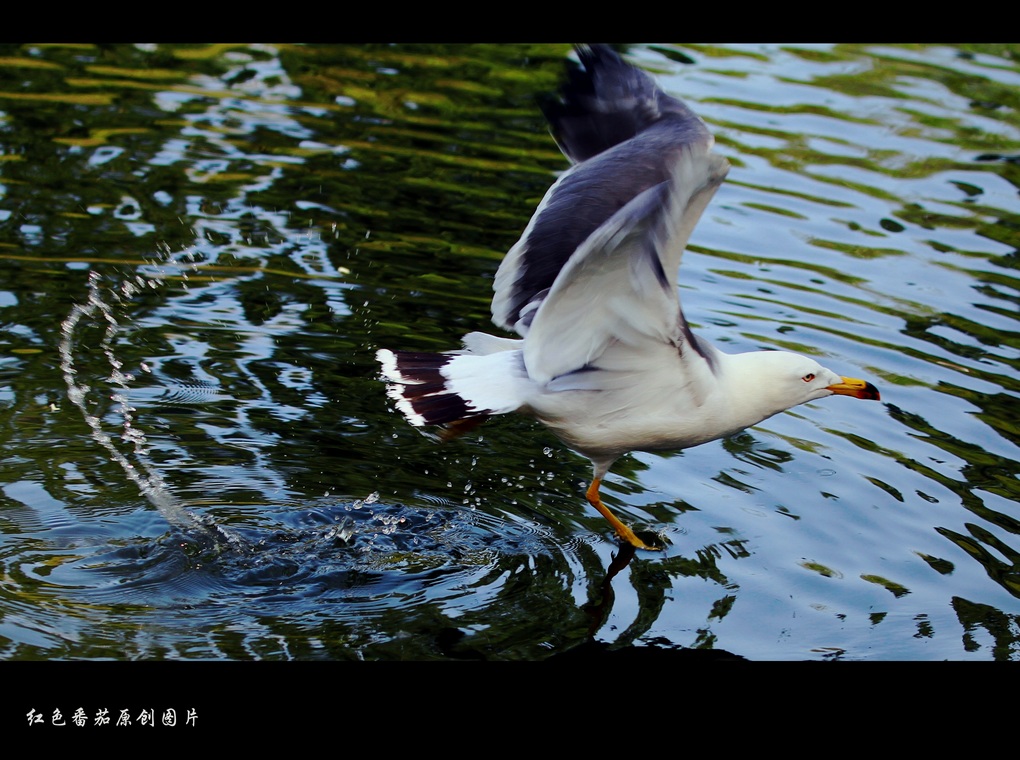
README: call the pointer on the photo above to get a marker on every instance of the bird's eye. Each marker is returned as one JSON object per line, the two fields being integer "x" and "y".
{"x": 808, "y": 377}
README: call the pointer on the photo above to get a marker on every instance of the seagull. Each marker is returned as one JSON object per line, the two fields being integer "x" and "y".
{"x": 605, "y": 357}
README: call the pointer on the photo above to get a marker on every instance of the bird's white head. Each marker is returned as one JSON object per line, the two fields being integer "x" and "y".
{"x": 772, "y": 381}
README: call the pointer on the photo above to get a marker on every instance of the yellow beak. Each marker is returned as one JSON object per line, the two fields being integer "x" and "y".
{"x": 851, "y": 386}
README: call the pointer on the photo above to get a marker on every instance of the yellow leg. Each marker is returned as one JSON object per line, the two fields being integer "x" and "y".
{"x": 621, "y": 530}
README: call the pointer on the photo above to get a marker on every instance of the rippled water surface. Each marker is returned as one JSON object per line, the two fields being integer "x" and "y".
{"x": 201, "y": 248}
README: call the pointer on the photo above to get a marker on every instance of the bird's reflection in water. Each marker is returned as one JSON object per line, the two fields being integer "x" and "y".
{"x": 599, "y": 611}
{"x": 653, "y": 582}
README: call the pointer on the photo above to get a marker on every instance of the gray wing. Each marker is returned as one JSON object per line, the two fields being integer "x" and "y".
{"x": 598, "y": 261}
{"x": 620, "y": 285}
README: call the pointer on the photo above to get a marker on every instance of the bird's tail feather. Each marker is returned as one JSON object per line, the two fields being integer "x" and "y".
{"x": 457, "y": 390}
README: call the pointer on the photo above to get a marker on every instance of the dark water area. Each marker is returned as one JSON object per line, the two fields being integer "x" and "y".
{"x": 202, "y": 246}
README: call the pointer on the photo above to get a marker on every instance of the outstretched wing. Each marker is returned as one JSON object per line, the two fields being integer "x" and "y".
{"x": 598, "y": 261}
{"x": 620, "y": 285}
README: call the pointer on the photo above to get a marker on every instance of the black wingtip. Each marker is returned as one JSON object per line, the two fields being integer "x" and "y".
{"x": 603, "y": 102}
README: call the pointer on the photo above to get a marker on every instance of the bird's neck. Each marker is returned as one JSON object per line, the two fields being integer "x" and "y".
{"x": 745, "y": 382}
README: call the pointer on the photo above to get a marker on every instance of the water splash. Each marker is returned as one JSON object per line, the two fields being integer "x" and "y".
{"x": 136, "y": 463}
